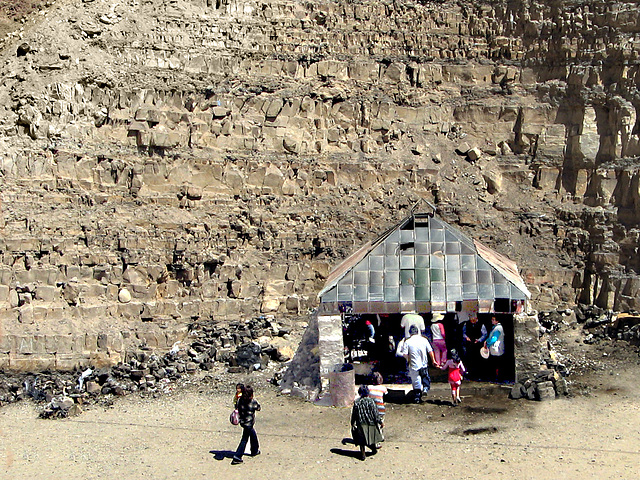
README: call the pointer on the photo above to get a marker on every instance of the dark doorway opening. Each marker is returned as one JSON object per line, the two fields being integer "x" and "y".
{"x": 371, "y": 344}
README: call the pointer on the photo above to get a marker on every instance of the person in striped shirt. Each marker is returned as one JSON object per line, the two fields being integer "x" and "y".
{"x": 377, "y": 391}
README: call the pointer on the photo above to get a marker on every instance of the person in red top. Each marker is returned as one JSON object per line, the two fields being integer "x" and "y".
{"x": 456, "y": 370}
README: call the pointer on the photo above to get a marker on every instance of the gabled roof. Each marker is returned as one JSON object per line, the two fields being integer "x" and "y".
{"x": 424, "y": 264}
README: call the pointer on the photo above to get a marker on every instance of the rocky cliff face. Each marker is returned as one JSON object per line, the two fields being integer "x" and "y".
{"x": 170, "y": 160}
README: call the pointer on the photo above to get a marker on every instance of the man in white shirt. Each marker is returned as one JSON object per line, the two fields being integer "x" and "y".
{"x": 417, "y": 350}
{"x": 410, "y": 319}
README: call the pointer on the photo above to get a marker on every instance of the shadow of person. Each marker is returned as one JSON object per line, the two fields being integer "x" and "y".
{"x": 347, "y": 441}
{"x": 437, "y": 401}
{"x": 222, "y": 454}
{"x": 347, "y": 453}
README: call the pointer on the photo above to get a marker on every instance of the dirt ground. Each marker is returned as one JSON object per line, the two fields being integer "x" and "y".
{"x": 186, "y": 435}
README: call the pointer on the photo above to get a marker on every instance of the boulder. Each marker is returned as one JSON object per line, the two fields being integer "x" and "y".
{"x": 62, "y": 403}
{"x": 546, "y": 391}
{"x": 124, "y": 296}
{"x": 474, "y": 154}
{"x": 92, "y": 388}
{"x": 463, "y": 148}
{"x": 518, "y": 391}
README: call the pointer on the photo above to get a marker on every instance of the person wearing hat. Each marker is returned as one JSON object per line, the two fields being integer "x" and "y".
{"x": 474, "y": 334}
{"x": 417, "y": 350}
{"x": 438, "y": 338}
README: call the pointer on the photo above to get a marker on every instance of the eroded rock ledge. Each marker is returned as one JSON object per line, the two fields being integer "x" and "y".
{"x": 164, "y": 161}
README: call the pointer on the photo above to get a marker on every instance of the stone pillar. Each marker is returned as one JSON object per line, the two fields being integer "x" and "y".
{"x": 331, "y": 346}
{"x": 606, "y": 294}
{"x": 527, "y": 346}
{"x": 627, "y": 294}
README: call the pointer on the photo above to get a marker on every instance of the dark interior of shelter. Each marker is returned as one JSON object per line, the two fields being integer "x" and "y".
{"x": 371, "y": 342}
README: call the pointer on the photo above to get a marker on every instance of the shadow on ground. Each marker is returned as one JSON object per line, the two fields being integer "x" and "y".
{"x": 350, "y": 453}
{"x": 222, "y": 454}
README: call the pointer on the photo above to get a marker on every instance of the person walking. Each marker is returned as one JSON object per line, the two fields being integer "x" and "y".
{"x": 236, "y": 397}
{"x": 417, "y": 350}
{"x": 247, "y": 407}
{"x": 495, "y": 343}
{"x": 365, "y": 423}
{"x": 377, "y": 391}
{"x": 456, "y": 370}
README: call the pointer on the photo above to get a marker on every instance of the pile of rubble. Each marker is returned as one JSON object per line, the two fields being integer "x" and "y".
{"x": 623, "y": 326}
{"x": 546, "y": 385}
{"x": 237, "y": 346}
{"x": 597, "y": 323}
{"x": 241, "y": 345}
{"x": 597, "y": 326}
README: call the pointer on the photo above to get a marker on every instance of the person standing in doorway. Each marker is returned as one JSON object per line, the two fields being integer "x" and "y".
{"x": 438, "y": 338}
{"x": 417, "y": 350}
{"x": 247, "y": 407}
{"x": 495, "y": 344}
{"x": 474, "y": 334}
{"x": 410, "y": 319}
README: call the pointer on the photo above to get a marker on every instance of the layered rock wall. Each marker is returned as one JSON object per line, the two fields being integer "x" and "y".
{"x": 166, "y": 161}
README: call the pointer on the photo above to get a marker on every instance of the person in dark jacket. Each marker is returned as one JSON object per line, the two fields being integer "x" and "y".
{"x": 474, "y": 334}
{"x": 366, "y": 422}
{"x": 247, "y": 407}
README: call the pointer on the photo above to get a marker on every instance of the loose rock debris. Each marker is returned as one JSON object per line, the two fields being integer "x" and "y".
{"x": 238, "y": 348}
{"x": 63, "y": 394}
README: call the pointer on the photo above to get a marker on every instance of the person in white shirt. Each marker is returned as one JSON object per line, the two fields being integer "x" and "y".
{"x": 410, "y": 319}
{"x": 417, "y": 350}
{"x": 495, "y": 343}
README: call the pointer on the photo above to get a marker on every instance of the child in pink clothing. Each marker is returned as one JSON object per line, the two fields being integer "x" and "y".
{"x": 456, "y": 370}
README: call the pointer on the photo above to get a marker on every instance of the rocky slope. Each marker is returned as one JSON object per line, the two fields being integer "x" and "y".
{"x": 165, "y": 161}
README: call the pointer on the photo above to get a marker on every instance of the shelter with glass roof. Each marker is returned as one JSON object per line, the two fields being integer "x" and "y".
{"x": 422, "y": 265}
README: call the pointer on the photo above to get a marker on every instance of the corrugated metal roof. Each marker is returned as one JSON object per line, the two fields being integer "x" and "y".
{"x": 504, "y": 265}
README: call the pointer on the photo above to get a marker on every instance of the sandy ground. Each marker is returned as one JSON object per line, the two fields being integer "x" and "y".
{"x": 186, "y": 435}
